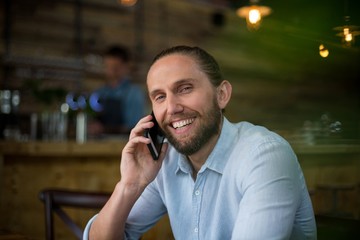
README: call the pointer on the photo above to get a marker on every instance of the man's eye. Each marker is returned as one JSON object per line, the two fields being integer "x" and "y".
{"x": 159, "y": 98}
{"x": 185, "y": 89}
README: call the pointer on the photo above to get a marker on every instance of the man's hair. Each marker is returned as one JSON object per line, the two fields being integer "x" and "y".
{"x": 118, "y": 51}
{"x": 206, "y": 62}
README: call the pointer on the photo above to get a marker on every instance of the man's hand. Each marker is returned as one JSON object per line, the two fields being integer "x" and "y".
{"x": 138, "y": 168}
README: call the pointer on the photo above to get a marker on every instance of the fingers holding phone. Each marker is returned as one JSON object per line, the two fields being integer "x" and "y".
{"x": 143, "y": 124}
{"x": 156, "y": 137}
{"x": 139, "y": 164}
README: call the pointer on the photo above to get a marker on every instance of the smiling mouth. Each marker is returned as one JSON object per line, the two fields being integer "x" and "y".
{"x": 182, "y": 123}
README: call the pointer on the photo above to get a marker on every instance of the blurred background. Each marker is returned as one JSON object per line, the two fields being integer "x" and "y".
{"x": 295, "y": 72}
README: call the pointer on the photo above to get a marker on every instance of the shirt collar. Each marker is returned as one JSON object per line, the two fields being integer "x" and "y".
{"x": 220, "y": 154}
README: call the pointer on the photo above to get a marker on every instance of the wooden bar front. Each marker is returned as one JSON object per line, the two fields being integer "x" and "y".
{"x": 27, "y": 168}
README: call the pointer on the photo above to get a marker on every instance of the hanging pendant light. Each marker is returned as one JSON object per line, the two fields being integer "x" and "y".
{"x": 253, "y": 14}
{"x": 347, "y": 32}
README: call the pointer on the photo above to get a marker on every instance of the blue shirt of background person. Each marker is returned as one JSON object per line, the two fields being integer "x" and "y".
{"x": 122, "y": 103}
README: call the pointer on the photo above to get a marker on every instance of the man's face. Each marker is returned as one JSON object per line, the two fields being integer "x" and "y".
{"x": 115, "y": 68}
{"x": 184, "y": 102}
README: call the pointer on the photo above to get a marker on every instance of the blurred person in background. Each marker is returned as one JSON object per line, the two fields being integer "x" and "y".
{"x": 121, "y": 103}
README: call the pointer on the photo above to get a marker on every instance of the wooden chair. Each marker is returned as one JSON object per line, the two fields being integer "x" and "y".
{"x": 55, "y": 199}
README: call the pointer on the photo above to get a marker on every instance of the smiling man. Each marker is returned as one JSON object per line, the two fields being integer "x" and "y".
{"x": 215, "y": 179}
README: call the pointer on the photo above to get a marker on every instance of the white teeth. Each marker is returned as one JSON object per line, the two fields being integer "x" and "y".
{"x": 182, "y": 123}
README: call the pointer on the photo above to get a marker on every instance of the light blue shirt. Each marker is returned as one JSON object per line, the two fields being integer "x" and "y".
{"x": 251, "y": 187}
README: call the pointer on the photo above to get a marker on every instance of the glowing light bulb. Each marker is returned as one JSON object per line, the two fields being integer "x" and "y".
{"x": 323, "y": 51}
{"x": 348, "y": 37}
{"x": 254, "y": 16}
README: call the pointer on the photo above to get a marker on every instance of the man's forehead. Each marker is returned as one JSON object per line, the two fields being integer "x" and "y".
{"x": 176, "y": 59}
{"x": 173, "y": 64}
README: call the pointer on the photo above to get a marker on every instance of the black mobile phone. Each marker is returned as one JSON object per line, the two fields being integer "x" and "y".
{"x": 157, "y": 138}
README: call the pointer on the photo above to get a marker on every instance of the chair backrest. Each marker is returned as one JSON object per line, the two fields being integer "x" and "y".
{"x": 54, "y": 199}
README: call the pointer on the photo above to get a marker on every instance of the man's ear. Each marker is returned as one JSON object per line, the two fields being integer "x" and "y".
{"x": 224, "y": 91}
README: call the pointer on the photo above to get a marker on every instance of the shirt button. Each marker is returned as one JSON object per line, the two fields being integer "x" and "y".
{"x": 197, "y": 192}
{"x": 196, "y": 230}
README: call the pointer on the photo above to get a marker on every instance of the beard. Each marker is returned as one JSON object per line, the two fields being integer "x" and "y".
{"x": 207, "y": 129}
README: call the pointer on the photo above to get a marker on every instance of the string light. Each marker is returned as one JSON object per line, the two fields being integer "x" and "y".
{"x": 323, "y": 51}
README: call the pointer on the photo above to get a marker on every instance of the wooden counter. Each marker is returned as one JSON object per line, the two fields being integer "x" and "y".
{"x": 63, "y": 149}
{"x": 112, "y": 148}
{"x": 27, "y": 168}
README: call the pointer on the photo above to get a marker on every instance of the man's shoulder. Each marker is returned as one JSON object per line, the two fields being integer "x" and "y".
{"x": 254, "y": 139}
{"x": 257, "y": 146}
{"x": 253, "y": 136}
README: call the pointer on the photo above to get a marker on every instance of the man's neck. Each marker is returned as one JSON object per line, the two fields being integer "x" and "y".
{"x": 199, "y": 158}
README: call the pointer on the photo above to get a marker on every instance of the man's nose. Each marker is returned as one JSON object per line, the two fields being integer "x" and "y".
{"x": 173, "y": 105}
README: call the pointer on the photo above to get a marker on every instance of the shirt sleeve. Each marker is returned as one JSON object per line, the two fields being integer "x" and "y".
{"x": 271, "y": 188}
{"x": 148, "y": 209}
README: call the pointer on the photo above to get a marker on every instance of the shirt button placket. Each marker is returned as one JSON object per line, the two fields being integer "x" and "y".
{"x": 197, "y": 202}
